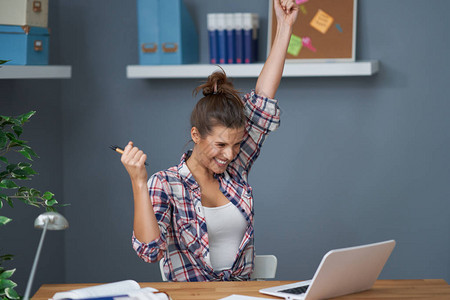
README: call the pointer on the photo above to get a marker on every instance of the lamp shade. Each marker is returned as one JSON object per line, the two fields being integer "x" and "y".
{"x": 55, "y": 221}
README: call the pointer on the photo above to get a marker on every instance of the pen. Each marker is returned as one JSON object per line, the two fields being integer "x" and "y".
{"x": 119, "y": 150}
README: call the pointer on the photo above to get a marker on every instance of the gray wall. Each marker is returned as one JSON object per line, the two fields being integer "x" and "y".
{"x": 356, "y": 160}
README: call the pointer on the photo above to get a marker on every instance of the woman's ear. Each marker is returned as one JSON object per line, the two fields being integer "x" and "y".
{"x": 195, "y": 135}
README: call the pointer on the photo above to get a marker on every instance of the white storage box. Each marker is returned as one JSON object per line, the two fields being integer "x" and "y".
{"x": 24, "y": 12}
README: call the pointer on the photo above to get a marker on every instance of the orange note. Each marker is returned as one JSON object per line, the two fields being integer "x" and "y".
{"x": 321, "y": 21}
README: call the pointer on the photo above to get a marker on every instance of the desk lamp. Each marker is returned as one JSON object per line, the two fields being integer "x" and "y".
{"x": 50, "y": 221}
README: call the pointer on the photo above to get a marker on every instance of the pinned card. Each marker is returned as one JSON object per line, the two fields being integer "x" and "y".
{"x": 306, "y": 42}
{"x": 301, "y": 1}
{"x": 303, "y": 9}
{"x": 321, "y": 21}
{"x": 295, "y": 45}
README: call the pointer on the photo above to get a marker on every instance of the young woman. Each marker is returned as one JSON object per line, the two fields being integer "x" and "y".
{"x": 198, "y": 216}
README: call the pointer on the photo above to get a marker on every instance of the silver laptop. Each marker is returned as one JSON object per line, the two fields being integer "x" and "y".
{"x": 341, "y": 272}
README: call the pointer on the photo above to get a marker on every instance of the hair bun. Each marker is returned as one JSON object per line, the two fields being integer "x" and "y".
{"x": 217, "y": 83}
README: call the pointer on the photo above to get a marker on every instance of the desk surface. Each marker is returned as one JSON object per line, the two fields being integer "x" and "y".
{"x": 382, "y": 289}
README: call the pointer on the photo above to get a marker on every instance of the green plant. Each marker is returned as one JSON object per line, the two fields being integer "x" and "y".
{"x": 11, "y": 129}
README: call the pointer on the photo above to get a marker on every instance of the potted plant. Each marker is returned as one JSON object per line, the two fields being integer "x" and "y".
{"x": 11, "y": 189}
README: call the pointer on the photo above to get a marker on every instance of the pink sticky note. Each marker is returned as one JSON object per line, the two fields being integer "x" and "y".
{"x": 301, "y": 1}
{"x": 306, "y": 41}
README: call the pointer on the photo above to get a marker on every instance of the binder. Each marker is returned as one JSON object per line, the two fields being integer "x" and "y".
{"x": 167, "y": 34}
{"x": 148, "y": 32}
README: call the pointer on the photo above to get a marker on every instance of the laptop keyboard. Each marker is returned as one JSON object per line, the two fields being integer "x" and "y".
{"x": 297, "y": 290}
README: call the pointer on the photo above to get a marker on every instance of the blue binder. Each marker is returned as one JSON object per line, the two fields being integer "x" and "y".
{"x": 167, "y": 34}
{"x": 148, "y": 36}
{"x": 24, "y": 45}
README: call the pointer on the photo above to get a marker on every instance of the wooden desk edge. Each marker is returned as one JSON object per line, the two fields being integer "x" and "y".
{"x": 435, "y": 287}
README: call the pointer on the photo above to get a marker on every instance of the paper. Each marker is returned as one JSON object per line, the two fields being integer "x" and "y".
{"x": 109, "y": 289}
{"x": 301, "y": 1}
{"x": 321, "y": 21}
{"x": 241, "y": 297}
{"x": 303, "y": 9}
{"x": 295, "y": 45}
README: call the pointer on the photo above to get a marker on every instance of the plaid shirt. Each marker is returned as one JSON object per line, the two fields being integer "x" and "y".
{"x": 176, "y": 199}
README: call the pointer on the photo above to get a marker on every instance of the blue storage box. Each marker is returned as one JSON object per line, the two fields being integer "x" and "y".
{"x": 24, "y": 45}
{"x": 166, "y": 33}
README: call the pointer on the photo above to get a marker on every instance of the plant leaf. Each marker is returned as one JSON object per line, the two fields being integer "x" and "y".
{"x": 3, "y": 140}
{"x": 48, "y": 195}
{"x": 6, "y": 283}
{"x": 6, "y": 274}
{"x": 4, "y": 220}
{"x": 17, "y": 130}
{"x": 25, "y": 153}
{"x": 25, "y": 117}
{"x": 50, "y": 202}
{"x": 11, "y": 294}
{"x": 8, "y": 184}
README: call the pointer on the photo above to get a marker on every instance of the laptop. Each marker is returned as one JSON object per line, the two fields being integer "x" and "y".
{"x": 341, "y": 272}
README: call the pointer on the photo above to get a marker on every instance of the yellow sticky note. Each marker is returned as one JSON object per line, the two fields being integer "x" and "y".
{"x": 295, "y": 45}
{"x": 321, "y": 21}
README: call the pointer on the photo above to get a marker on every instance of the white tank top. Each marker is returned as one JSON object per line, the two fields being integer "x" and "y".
{"x": 226, "y": 227}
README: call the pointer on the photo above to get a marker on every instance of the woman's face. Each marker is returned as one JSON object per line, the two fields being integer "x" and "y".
{"x": 215, "y": 151}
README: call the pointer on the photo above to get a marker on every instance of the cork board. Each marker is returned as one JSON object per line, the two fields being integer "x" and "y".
{"x": 325, "y": 30}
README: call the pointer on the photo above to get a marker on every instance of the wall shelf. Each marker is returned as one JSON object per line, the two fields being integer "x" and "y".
{"x": 303, "y": 69}
{"x": 35, "y": 72}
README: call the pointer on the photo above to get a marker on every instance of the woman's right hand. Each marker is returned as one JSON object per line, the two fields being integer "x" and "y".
{"x": 134, "y": 161}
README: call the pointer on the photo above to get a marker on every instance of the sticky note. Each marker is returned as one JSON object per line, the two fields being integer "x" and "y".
{"x": 321, "y": 21}
{"x": 303, "y": 9}
{"x": 295, "y": 45}
{"x": 301, "y": 1}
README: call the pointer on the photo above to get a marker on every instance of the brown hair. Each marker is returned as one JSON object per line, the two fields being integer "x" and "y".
{"x": 221, "y": 105}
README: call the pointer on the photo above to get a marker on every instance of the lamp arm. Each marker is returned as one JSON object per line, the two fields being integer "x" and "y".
{"x": 36, "y": 259}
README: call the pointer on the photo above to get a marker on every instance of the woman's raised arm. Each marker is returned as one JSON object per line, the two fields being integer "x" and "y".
{"x": 286, "y": 12}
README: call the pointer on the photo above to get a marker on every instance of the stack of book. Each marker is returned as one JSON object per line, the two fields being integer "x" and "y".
{"x": 233, "y": 38}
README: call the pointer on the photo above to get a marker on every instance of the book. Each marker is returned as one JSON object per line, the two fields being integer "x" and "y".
{"x": 211, "y": 24}
{"x": 255, "y": 36}
{"x": 230, "y": 32}
{"x": 239, "y": 38}
{"x": 248, "y": 38}
{"x": 221, "y": 38}
{"x": 126, "y": 289}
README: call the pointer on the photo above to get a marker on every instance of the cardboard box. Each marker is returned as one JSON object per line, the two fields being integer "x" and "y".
{"x": 24, "y": 45}
{"x": 24, "y": 13}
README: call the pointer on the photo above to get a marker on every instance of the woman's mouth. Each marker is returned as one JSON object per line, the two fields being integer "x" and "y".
{"x": 220, "y": 162}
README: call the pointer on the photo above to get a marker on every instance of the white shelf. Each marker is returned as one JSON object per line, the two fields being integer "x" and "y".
{"x": 291, "y": 69}
{"x": 35, "y": 72}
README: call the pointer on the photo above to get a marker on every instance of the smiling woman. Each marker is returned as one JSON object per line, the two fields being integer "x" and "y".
{"x": 198, "y": 216}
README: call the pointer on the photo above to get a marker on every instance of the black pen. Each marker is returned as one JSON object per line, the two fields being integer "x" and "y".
{"x": 119, "y": 150}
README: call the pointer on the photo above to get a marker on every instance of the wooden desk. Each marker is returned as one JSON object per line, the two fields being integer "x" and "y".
{"x": 383, "y": 289}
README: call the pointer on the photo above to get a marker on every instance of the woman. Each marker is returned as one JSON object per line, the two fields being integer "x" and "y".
{"x": 198, "y": 216}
